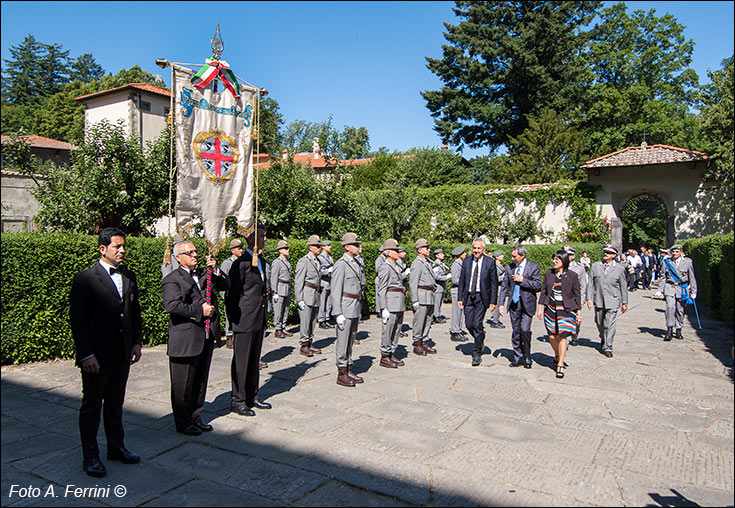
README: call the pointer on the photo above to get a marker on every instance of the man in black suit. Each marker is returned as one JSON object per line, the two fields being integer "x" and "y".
{"x": 478, "y": 291}
{"x": 107, "y": 329}
{"x": 522, "y": 282}
{"x": 248, "y": 314}
{"x": 189, "y": 345}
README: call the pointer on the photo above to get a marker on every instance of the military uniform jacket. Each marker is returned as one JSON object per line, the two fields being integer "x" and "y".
{"x": 419, "y": 280}
{"x": 183, "y": 301}
{"x": 247, "y": 298}
{"x": 307, "y": 280}
{"x": 280, "y": 276}
{"x": 456, "y": 272}
{"x": 685, "y": 271}
{"x": 441, "y": 274}
{"x": 326, "y": 261}
{"x": 390, "y": 287}
{"x": 500, "y": 270}
{"x": 578, "y": 268}
{"x": 346, "y": 288}
{"x": 609, "y": 288}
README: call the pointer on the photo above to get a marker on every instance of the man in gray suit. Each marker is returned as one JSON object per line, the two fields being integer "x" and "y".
{"x": 326, "y": 262}
{"x": 494, "y": 321}
{"x": 677, "y": 282}
{"x": 422, "y": 283}
{"x": 405, "y": 270}
{"x": 441, "y": 276}
{"x": 456, "y": 333}
{"x": 347, "y": 289}
{"x": 280, "y": 277}
{"x": 306, "y": 291}
{"x": 236, "y": 248}
{"x": 579, "y": 269}
{"x": 382, "y": 256}
{"x": 393, "y": 295}
{"x": 610, "y": 289}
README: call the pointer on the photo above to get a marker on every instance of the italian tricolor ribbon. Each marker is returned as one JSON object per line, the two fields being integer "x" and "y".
{"x": 211, "y": 70}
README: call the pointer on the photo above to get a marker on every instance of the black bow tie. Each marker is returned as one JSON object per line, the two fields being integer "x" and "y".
{"x": 114, "y": 270}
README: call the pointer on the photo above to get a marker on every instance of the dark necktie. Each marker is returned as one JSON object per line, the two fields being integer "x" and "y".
{"x": 473, "y": 284}
{"x": 114, "y": 270}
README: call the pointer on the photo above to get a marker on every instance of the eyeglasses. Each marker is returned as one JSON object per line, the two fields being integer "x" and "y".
{"x": 190, "y": 253}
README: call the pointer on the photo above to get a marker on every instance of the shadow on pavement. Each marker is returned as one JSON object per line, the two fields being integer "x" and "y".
{"x": 676, "y": 500}
{"x": 277, "y": 354}
{"x": 716, "y": 335}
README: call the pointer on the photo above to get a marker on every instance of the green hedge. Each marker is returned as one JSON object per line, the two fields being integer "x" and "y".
{"x": 37, "y": 270}
{"x": 713, "y": 266}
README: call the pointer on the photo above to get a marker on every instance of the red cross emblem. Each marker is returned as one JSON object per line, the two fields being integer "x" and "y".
{"x": 216, "y": 154}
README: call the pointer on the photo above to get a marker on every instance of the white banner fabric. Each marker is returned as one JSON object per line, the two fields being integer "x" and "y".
{"x": 214, "y": 136}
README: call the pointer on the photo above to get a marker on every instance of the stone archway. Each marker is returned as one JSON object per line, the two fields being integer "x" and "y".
{"x": 645, "y": 220}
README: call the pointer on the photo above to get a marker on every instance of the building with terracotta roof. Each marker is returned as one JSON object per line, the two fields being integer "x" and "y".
{"x": 141, "y": 107}
{"x": 46, "y": 149}
{"x": 672, "y": 175}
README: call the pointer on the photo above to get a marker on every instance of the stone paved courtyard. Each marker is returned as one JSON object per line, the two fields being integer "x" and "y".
{"x": 651, "y": 426}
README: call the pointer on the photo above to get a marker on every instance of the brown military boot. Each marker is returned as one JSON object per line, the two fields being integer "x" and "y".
{"x": 385, "y": 361}
{"x": 427, "y": 347}
{"x": 279, "y": 334}
{"x": 399, "y": 363}
{"x": 353, "y": 376}
{"x": 286, "y": 333}
{"x": 417, "y": 349}
{"x": 306, "y": 350}
{"x": 313, "y": 349}
{"x": 342, "y": 377}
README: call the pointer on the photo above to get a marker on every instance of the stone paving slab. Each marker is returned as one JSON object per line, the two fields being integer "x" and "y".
{"x": 651, "y": 426}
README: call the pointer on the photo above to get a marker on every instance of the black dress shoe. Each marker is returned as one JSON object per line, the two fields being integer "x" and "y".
{"x": 575, "y": 342}
{"x": 457, "y": 337}
{"x": 191, "y": 430}
{"x": 123, "y": 455}
{"x": 517, "y": 363}
{"x": 94, "y": 467}
{"x": 243, "y": 410}
{"x": 476, "y": 359}
{"x": 204, "y": 427}
{"x": 403, "y": 334}
{"x": 528, "y": 364}
{"x": 261, "y": 405}
{"x": 500, "y": 325}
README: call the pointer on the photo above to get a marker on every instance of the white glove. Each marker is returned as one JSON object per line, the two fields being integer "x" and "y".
{"x": 276, "y": 298}
{"x": 449, "y": 277}
{"x": 416, "y": 306}
{"x": 341, "y": 321}
{"x": 407, "y": 270}
{"x": 301, "y": 305}
{"x": 693, "y": 296}
{"x": 385, "y": 314}
{"x": 658, "y": 294}
{"x": 329, "y": 270}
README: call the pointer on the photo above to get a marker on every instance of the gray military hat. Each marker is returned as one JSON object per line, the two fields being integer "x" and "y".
{"x": 326, "y": 242}
{"x": 235, "y": 243}
{"x": 421, "y": 242}
{"x": 570, "y": 250}
{"x": 401, "y": 248}
{"x": 381, "y": 248}
{"x": 389, "y": 244}
{"x": 664, "y": 251}
{"x": 282, "y": 244}
{"x": 497, "y": 253}
{"x": 676, "y": 246}
{"x": 438, "y": 251}
{"x": 610, "y": 249}
{"x": 314, "y": 240}
{"x": 350, "y": 239}
{"x": 457, "y": 251}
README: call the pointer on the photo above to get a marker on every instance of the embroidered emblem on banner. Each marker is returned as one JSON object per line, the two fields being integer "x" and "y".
{"x": 217, "y": 155}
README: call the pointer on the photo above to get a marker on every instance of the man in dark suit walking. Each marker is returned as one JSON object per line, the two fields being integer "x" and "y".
{"x": 522, "y": 282}
{"x": 107, "y": 329}
{"x": 248, "y": 313}
{"x": 189, "y": 345}
{"x": 478, "y": 291}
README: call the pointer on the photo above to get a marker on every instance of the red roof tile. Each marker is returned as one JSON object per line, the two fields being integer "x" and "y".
{"x": 643, "y": 155}
{"x": 41, "y": 142}
{"x": 137, "y": 86}
{"x": 307, "y": 159}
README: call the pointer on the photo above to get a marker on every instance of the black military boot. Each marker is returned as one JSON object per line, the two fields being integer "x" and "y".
{"x": 678, "y": 334}
{"x": 669, "y": 333}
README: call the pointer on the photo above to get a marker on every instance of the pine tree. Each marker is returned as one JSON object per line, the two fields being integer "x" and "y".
{"x": 85, "y": 69}
{"x": 22, "y": 76}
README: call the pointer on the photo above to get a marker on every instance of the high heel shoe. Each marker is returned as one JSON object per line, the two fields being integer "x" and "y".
{"x": 560, "y": 371}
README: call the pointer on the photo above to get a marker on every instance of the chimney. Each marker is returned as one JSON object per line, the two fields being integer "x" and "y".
{"x": 444, "y": 147}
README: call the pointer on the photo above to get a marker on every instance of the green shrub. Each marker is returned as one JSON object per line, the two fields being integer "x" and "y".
{"x": 712, "y": 257}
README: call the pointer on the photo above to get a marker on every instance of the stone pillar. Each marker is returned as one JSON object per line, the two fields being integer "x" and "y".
{"x": 670, "y": 232}
{"x": 616, "y": 233}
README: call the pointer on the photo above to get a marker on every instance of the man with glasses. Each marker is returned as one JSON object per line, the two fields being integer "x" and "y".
{"x": 610, "y": 290}
{"x": 193, "y": 329}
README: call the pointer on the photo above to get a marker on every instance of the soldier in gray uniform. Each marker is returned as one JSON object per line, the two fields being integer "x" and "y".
{"x": 393, "y": 295}
{"x": 677, "y": 283}
{"x": 378, "y": 263}
{"x": 280, "y": 277}
{"x": 306, "y": 291}
{"x": 494, "y": 320}
{"x": 236, "y": 250}
{"x": 456, "y": 332}
{"x": 579, "y": 269}
{"x": 326, "y": 262}
{"x": 441, "y": 276}
{"x": 422, "y": 284}
{"x": 405, "y": 270}
{"x": 347, "y": 289}
{"x": 610, "y": 292}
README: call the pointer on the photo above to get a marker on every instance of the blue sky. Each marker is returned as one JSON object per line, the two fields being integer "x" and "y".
{"x": 363, "y": 62}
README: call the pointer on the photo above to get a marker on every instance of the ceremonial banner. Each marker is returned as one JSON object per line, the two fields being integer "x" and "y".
{"x": 214, "y": 135}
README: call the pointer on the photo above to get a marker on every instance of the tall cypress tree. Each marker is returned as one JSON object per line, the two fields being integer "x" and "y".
{"x": 504, "y": 61}
{"x": 22, "y": 74}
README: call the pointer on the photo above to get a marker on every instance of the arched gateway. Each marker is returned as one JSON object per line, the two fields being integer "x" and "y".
{"x": 675, "y": 176}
